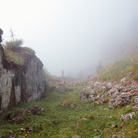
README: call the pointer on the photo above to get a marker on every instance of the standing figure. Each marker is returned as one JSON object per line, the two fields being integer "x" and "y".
{"x": 62, "y": 73}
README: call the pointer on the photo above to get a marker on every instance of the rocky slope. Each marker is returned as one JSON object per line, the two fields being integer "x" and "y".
{"x": 85, "y": 108}
{"x": 22, "y": 84}
{"x": 115, "y": 93}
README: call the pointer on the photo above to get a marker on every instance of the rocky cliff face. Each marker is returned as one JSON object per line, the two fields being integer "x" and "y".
{"x": 23, "y": 84}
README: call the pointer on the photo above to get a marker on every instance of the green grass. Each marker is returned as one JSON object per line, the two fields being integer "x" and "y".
{"x": 117, "y": 70}
{"x": 14, "y": 57}
{"x": 14, "y": 54}
{"x": 58, "y": 121}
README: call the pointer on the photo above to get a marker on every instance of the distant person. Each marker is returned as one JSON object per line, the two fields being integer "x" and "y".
{"x": 1, "y": 33}
{"x": 62, "y": 73}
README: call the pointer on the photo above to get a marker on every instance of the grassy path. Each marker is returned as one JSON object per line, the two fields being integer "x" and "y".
{"x": 64, "y": 116}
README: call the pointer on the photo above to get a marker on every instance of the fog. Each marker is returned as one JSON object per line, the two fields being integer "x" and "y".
{"x": 72, "y": 35}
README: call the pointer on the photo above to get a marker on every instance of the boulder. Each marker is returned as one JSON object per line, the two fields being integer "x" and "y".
{"x": 93, "y": 99}
{"x": 92, "y": 92}
{"x": 113, "y": 91}
{"x": 122, "y": 100}
{"x": 109, "y": 85}
{"x": 84, "y": 94}
{"x": 97, "y": 85}
{"x": 125, "y": 117}
{"x": 20, "y": 84}
{"x": 102, "y": 101}
{"x": 123, "y": 80}
{"x": 135, "y": 101}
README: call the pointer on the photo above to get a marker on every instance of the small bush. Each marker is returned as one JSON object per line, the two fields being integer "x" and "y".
{"x": 13, "y": 45}
{"x": 16, "y": 54}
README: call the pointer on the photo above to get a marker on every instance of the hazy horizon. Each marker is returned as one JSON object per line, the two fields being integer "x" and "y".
{"x": 72, "y": 35}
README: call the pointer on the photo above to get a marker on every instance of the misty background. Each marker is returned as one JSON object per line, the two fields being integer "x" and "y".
{"x": 72, "y": 35}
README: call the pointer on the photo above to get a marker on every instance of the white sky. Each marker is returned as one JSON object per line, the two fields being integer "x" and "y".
{"x": 67, "y": 35}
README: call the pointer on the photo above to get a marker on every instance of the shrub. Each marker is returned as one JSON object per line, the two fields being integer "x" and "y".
{"x": 16, "y": 54}
{"x": 14, "y": 45}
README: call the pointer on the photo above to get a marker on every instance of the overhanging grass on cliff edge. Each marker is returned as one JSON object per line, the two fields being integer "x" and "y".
{"x": 15, "y": 54}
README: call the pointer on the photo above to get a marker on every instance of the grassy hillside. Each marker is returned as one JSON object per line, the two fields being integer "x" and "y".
{"x": 118, "y": 69}
{"x": 62, "y": 114}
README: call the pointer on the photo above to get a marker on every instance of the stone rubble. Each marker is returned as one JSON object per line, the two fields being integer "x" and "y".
{"x": 125, "y": 117}
{"x": 122, "y": 100}
{"x": 116, "y": 136}
{"x": 22, "y": 115}
{"x": 76, "y": 136}
{"x": 120, "y": 94}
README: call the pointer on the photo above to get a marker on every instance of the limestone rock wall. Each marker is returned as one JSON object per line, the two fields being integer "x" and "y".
{"x": 21, "y": 85}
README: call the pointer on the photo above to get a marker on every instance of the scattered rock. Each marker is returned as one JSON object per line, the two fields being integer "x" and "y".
{"x": 125, "y": 117}
{"x": 112, "y": 103}
{"x": 113, "y": 91}
{"x": 19, "y": 119}
{"x": 123, "y": 80}
{"x": 84, "y": 95}
{"x": 36, "y": 110}
{"x": 92, "y": 92}
{"x": 22, "y": 115}
{"x": 99, "y": 102}
{"x": 12, "y": 136}
{"x": 135, "y": 101}
{"x": 114, "y": 125}
{"x": 109, "y": 85}
{"x": 116, "y": 136}
{"x": 105, "y": 100}
{"x": 29, "y": 128}
{"x": 132, "y": 114}
{"x": 72, "y": 106}
{"x": 97, "y": 85}
{"x": 120, "y": 93}
{"x": 122, "y": 100}
{"x": 103, "y": 88}
{"x": 9, "y": 131}
{"x": 94, "y": 99}
{"x": 102, "y": 101}
{"x": 135, "y": 108}
{"x": 22, "y": 129}
{"x": 76, "y": 136}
